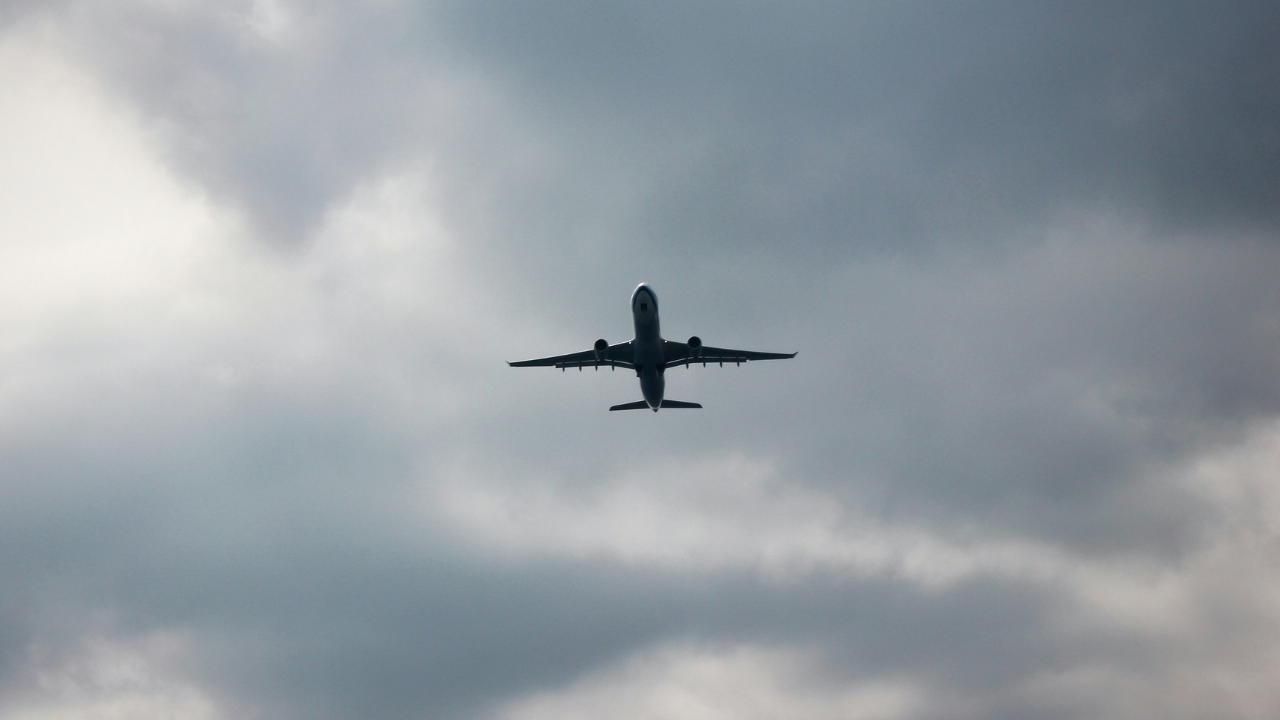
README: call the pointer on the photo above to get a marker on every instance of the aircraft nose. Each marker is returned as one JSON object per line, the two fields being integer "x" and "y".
{"x": 645, "y": 304}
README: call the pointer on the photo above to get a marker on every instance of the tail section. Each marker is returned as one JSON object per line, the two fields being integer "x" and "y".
{"x": 642, "y": 405}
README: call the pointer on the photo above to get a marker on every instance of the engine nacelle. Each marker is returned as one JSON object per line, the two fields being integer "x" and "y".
{"x": 601, "y": 346}
{"x": 695, "y": 346}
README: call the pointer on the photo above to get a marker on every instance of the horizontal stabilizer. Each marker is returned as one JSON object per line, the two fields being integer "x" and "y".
{"x": 639, "y": 405}
{"x": 642, "y": 405}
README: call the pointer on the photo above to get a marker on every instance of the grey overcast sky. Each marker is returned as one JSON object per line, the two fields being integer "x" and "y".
{"x": 261, "y": 262}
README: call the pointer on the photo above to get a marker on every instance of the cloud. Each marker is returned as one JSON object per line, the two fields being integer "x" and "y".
{"x": 108, "y": 678}
{"x": 261, "y": 262}
{"x": 840, "y": 127}
{"x": 690, "y": 681}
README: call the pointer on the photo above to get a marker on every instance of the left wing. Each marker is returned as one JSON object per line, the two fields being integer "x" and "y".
{"x": 675, "y": 354}
{"x": 619, "y": 355}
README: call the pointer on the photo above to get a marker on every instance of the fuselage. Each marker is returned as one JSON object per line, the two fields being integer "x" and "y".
{"x": 648, "y": 345}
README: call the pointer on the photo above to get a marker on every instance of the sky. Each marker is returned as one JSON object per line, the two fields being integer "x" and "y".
{"x": 262, "y": 261}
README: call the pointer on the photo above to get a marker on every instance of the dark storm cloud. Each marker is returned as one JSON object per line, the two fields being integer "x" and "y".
{"x": 1036, "y": 394}
{"x": 872, "y": 124}
{"x": 832, "y": 124}
{"x": 281, "y": 126}
{"x": 302, "y": 613}
{"x": 310, "y": 612}
{"x": 1027, "y": 254}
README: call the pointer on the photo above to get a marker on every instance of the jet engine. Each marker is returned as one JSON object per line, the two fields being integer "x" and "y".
{"x": 601, "y": 346}
{"x": 695, "y": 346}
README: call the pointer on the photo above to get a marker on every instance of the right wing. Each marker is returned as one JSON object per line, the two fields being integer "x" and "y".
{"x": 676, "y": 354}
{"x": 619, "y": 355}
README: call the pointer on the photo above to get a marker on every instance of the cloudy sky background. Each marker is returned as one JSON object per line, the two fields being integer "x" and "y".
{"x": 261, "y": 264}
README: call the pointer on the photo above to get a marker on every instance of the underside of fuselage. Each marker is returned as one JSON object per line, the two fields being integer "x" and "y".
{"x": 648, "y": 345}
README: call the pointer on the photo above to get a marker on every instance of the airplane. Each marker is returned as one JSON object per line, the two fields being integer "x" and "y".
{"x": 649, "y": 355}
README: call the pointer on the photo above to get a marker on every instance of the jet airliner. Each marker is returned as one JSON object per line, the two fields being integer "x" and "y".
{"x": 649, "y": 355}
